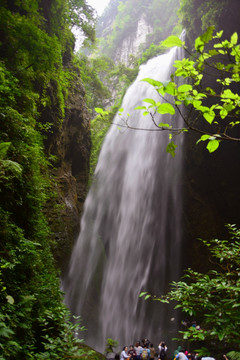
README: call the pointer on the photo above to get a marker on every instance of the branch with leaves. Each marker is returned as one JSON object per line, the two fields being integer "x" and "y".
{"x": 213, "y": 112}
{"x": 212, "y": 298}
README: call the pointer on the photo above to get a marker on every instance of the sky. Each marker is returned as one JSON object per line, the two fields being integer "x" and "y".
{"x": 99, "y": 5}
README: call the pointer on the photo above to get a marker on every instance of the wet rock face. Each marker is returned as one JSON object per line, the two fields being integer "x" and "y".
{"x": 71, "y": 146}
{"x": 131, "y": 44}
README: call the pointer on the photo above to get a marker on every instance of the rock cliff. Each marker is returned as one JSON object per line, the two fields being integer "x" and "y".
{"x": 131, "y": 45}
{"x": 71, "y": 146}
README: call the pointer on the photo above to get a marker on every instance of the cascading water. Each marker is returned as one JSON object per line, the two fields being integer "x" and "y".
{"x": 130, "y": 237}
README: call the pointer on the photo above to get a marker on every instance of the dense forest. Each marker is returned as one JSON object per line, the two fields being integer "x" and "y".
{"x": 37, "y": 73}
{"x": 42, "y": 80}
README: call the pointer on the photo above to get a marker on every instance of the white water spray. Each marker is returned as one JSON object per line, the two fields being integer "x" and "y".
{"x": 130, "y": 237}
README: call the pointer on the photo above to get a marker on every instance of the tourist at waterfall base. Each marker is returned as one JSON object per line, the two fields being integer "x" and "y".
{"x": 145, "y": 354}
{"x": 152, "y": 352}
{"x": 138, "y": 348}
{"x": 132, "y": 353}
{"x": 181, "y": 356}
{"x": 162, "y": 350}
{"x": 124, "y": 354}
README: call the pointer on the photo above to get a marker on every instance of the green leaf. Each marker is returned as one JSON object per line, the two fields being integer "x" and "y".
{"x": 10, "y": 299}
{"x": 234, "y": 38}
{"x": 147, "y": 297}
{"x": 4, "y": 148}
{"x": 221, "y": 337}
{"x": 171, "y": 147}
{"x": 209, "y": 116}
{"x": 172, "y": 41}
{"x": 5, "y": 332}
{"x": 166, "y": 108}
{"x": 99, "y": 110}
{"x": 164, "y": 125}
{"x": 208, "y": 35}
{"x": 140, "y": 108}
{"x": 150, "y": 101}
{"x": 203, "y": 138}
{"x": 185, "y": 88}
{"x": 142, "y": 293}
{"x": 199, "y": 44}
{"x": 213, "y": 145}
{"x": 170, "y": 88}
{"x": 153, "y": 82}
{"x": 201, "y": 336}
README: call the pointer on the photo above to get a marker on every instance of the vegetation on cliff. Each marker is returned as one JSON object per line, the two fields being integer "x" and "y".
{"x": 36, "y": 74}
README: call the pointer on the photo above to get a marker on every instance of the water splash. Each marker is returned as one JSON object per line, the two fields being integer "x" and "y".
{"x": 130, "y": 237}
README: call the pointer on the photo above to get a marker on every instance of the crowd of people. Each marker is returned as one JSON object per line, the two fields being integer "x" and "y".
{"x": 143, "y": 350}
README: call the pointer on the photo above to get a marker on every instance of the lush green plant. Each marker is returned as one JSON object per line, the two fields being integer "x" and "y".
{"x": 34, "y": 323}
{"x": 213, "y": 299}
{"x": 212, "y": 111}
{"x": 233, "y": 355}
{"x": 110, "y": 345}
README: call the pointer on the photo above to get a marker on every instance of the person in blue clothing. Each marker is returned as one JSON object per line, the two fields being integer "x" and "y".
{"x": 181, "y": 356}
{"x": 145, "y": 353}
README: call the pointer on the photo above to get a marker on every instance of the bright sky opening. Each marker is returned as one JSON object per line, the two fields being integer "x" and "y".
{"x": 98, "y": 5}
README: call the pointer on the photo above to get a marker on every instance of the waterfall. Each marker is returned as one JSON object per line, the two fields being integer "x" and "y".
{"x": 130, "y": 238}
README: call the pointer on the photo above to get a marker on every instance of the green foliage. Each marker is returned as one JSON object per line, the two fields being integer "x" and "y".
{"x": 233, "y": 355}
{"x": 110, "y": 345}
{"x": 196, "y": 16}
{"x": 125, "y": 16}
{"x": 92, "y": 71}
{"x": 213, "y": 299}
{"x": 213, "y": 111}
{"x": 34, "y": 323}
{"x": 99, "y": 127}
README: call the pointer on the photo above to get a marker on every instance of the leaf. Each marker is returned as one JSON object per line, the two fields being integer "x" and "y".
{"x": 203, "y": 138}
{"x": 171, "y": 147}
{"x": 208, "y": 35}
{"x": 99, "y": 110}
{"x": 142, "y": 293}
{"x": 12, "y": 166}
{"x": 4, "y": 148}
{"x": 5, "y": 332}
{"x": 166, "y": 108}
{"x": 140, "y": 108}
{"x": 170, "y": 88}
{"x": 153, "y": 82}
{"x": 209, "y": 116}
{"x": 221, "y": 337}
{"x": 150, "y": 101}
{"x": 164, "y": 125}
{"x": 172, "y": 41}
{"x": 199, "y": 44}
{"x": 213, "y": 145}
{"x": 234, "y": 38}
{"x": 147, "y": 297}
{"x": 185, "y": 88}
{"x": 10, "y": 299}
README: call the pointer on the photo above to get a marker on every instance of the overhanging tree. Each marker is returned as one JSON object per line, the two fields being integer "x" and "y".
{"x": 212, "y": 111}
